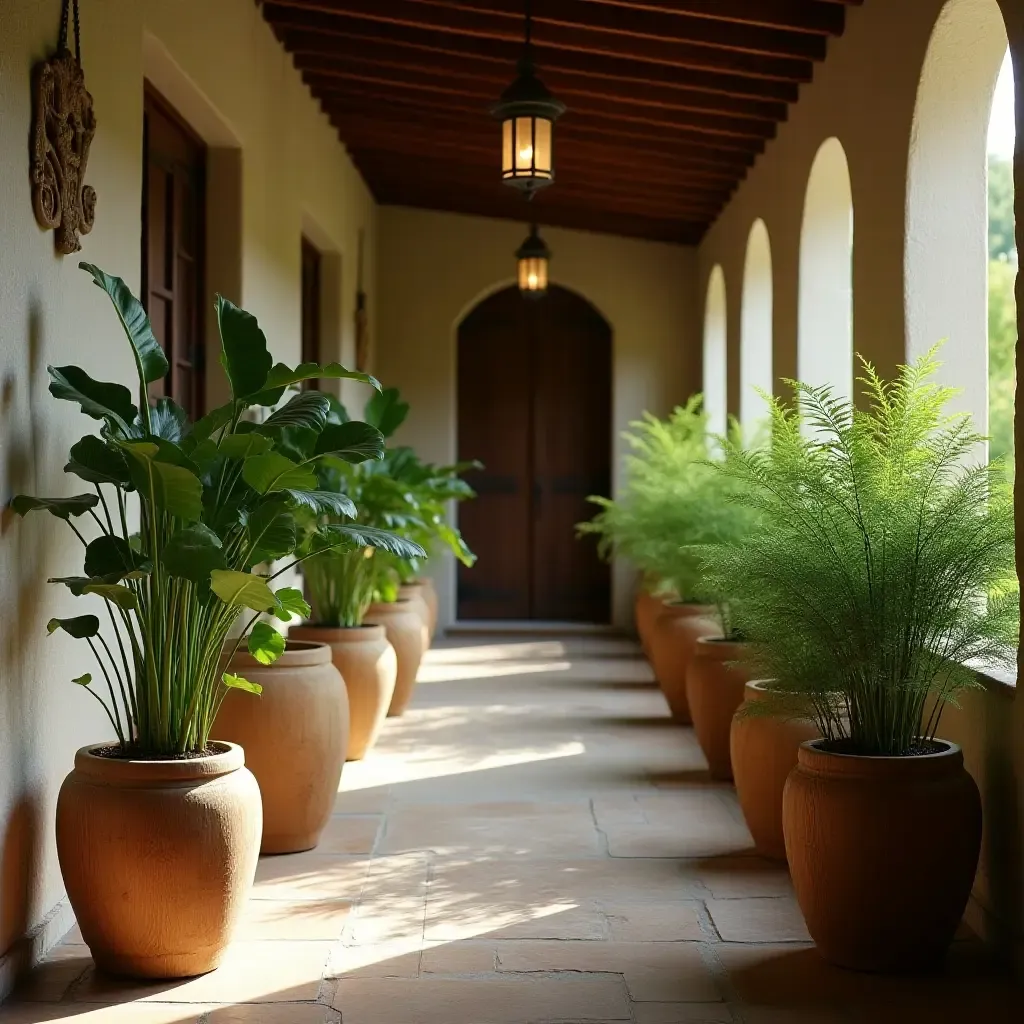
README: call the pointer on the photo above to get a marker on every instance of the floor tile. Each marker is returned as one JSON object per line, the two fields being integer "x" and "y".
{"x": 761, "y": 919}
{"x": 305, "y": 920}
{"x": 350, "y": 833}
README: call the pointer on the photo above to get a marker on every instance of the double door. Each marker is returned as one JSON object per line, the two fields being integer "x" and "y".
{"x": 534, "y": 406}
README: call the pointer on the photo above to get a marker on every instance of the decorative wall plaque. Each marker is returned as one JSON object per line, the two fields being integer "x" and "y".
{"x": 63, "y": 126}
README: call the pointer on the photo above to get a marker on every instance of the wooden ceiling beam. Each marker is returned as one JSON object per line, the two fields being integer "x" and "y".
{"x": 311, "y": 49}
{"x": 325, "y": 75}
{"x": 436, "y": 40}
{"x": 794, "y": 15}
{"x": 395, "y": 105}
{"x": 486, "y": 23}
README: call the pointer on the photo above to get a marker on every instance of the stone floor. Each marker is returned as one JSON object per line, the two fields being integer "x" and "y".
{"x": 534, "y": 841}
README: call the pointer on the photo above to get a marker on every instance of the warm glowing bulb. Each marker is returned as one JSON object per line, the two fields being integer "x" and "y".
{"x": 531, "y": 280}
{"x": 526, "y": 154}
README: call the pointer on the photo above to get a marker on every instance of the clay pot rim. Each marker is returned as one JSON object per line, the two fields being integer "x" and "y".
{"x": 342, "y": 634}
{"x": 117, "y": 771}
{"x": 389, "y": 604}
{"x": 830, "y": 763}
{"x": 689, "y": 609}
{"x": 719, "y": 648}
{"x": 411, "y": 585}
{"x": 296, "y": 654}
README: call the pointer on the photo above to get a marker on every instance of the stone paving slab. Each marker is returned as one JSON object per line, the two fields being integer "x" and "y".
{"x": 534, "y": 842}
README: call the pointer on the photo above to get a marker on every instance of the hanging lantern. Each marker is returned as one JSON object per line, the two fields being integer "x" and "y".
{"x": 533, "y": 256}
{"x": 527, "y": 112}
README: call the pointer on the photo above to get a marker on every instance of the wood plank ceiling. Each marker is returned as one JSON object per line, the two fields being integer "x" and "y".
{"x": 670, "y": 101}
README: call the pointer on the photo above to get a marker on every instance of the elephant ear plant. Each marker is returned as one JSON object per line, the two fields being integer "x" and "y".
{"x": 884, "y": 564}
{"x": 214, "y": 501}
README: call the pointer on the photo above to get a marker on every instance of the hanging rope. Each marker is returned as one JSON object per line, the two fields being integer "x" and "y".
{"x": 529, "y": 22}
{"x": 69, "y": 11}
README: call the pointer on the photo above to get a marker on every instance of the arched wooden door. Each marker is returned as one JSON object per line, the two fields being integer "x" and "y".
{"x": 535, "y": 407}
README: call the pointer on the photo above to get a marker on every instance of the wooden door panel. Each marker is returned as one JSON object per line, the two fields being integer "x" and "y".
{"x": 494, "y": 413}
{"x": 534, "y": 394}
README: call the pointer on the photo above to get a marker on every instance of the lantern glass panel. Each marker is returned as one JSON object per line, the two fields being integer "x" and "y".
{"x": 533, "y": 274}
{"x": 542, "y": 146}
{"x": 506, "y": 146}
{"x": 525, "y": 148}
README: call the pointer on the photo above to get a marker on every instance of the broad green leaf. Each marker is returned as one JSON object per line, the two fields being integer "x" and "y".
{"x": 104, "y": 587}
{"x": 174, "y": 489}
{"x": 94, "y": 460}
{"x": 110, "y": 556}
{"x": 244, "y": 354}
{"x": 62, "y": 508}
{"x": 323, "y": 502}
{"x": 307, "y": 409}
{"x": 238, "y": 683}
{"x": 386, "y": 411}
{"x": 149, "y": 356}
{"x": 338, "y": 413}
{"x": 354, "y": 441}
{"x": 168, "y": 420}
{"x": 295, "y": 443}
{"x": 241, "y": 446}
{"x": 266, "y": 645}
{"x": 210, "y": 424}
{"x": 273, "y": 472}
{"x": 83, "y": 680}
{"x": 80, "y": 627}
{"x": 371, "y": 537}
{"x": 243, "y": 589}
{"x": 193, "y": 553}
{"x": 291, "y": 604}
{"x": 99, "y": 399}
{"x": 271, "y": 533}
{"x": 281, "y": 377}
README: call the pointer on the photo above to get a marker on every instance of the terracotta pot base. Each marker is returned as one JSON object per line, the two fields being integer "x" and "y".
{"x": 883, "y": 852}
{"x": 369, "y": 667}
{"x": 676, "y": 631}
{"x": 715, "y": 681}
{"x": 406, "y": 632}
{"x": 158, "y": 858}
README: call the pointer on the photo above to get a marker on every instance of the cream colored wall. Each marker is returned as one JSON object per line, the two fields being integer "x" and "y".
{"x": 907, "y": 294}
{"x": 434, "y": 267}
{"x": 276, "y": 168}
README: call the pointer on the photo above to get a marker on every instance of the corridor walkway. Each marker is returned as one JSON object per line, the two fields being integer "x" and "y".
{"x": 533, "y": 842}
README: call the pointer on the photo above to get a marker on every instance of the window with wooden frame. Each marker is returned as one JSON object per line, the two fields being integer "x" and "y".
{"x": 173, "y": 236}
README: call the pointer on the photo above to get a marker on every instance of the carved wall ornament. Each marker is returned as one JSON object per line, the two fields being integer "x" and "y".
{"x": 63, "y": 126}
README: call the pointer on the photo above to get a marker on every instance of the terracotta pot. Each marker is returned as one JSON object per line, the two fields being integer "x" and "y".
{"x": 673, "y": 639}
{"x": 714, "y": 689}
{"x": 413, "y": 592}
{"x": 369, "y": 667}
{"x": 405, "y": 632}
{"x": 295, "y": 735}
{"x": 883, "y": 853}
{"x": 646, "y": 610}
{"x": 158, "y": 858}
{"x": 430, "y": 597}
{"x": 763, "y": 751}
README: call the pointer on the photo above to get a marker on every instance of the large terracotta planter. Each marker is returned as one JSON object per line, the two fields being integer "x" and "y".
{"x": 430, "y": 597}
{"x": 673, "y": 640}
{"x": 158, "y": 857}
{"x": 369, "y": 667}
{"x": 405, "y": 632}
{"x": 295, "y": 736}
{"x": 715, "y": 681}
{"x": 763, "y": 751}
{"x": 646, "y": 610}
{"x": 414, "y": 594}
{"x": 883, "y": 853}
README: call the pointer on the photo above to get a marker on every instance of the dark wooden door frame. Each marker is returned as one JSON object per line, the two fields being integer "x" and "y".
{"x": 554, "y": 580}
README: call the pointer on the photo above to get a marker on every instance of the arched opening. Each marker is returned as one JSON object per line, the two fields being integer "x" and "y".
{"x": 716, "y": 393}
{"x": 946, "y": 261}
{"x": 825, "y": 330}
{"x": 535, "y": 407}
{"x": 756, "y": 326}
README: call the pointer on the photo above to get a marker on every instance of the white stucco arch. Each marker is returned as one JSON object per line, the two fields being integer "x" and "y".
{"x": 946, "y": 258}
{"x": 825, "y": 316}
{"x": 756, "y": 326}
{"x": 716, "y": 386}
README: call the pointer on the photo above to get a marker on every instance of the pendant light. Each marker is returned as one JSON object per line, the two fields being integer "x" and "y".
{"x": 533, "y": 256}
{"x": 527, "y": 112}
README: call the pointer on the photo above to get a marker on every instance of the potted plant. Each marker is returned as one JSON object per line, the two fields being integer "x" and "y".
{"x": 883, "y": 568}
{"x": 158, "y": 832}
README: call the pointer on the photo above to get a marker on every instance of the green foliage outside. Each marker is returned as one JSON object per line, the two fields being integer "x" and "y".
{"x": 217, "y": 499}
{"x": 1002, "y": 311}
{"x": 865, "y": 582}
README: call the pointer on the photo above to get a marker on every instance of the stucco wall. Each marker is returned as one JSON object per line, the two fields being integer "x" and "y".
{"x": 434, "y": 267}
{"x": 277, "y": 169}
{"x": 919, "y": 266}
